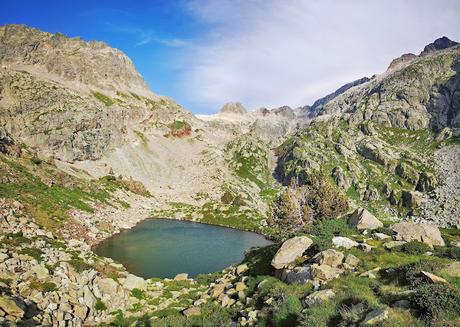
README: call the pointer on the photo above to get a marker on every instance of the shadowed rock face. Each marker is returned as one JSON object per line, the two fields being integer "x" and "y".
{"x": 439, "y": 44}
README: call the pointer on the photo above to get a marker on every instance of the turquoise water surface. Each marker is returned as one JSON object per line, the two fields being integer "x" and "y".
{"x": 164, "y": 248}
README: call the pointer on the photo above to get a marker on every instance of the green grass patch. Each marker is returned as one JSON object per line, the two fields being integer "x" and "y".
{"x": 103, "y": 98}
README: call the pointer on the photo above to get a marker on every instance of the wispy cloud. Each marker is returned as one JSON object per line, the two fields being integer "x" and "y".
{"x": 146, "y": 36}
{"x": 275, "y": 52}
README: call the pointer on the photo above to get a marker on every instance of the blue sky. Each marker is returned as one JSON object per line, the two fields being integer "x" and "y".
{"x": 203, "y": 53}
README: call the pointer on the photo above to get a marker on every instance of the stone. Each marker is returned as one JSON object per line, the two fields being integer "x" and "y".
{"x": 108, "y": 287}
{"x": 241, "y": 269}
{"x": 325, "y": 273}
{"x": 392, "y": 244}
{"x": 40, "y": 272}
{"x": 133, "y": 282}
{"x": 381, "y": 236}
{"x": 227, "y": 301}
{"x": 297, "y": 275}
{"x": 375, "y": 317}
{"x": 344, "y": 242}
{"x": 401, "y": 304}
{"x": 364, "y": 247}
{"x": 433, "y": 278}
{"x": 217, "y": 290}
{"x": 363, "y": 219}
{"x": 3, "y": 257}
{"x": 192, "y": 311}
{"x": 329, "y": 257}
{"x": 290, "y": 251}
{"x": 372, "y": 274}
{"x": 411, "y": 199}
{"x": 182, "y": 276}
{"x": 240, "y": 286}
{"x": 352, "y": 260}
{"x": 318, "y": 297}
{"x": 10, "y": 307}
{"x": 81, "y": 311}
{"x": 422, "y": 232}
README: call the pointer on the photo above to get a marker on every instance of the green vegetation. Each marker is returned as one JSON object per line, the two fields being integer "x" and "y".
{"x": 100, "y": 305}
{"x": 32, "y": 252}
{"x": 44, "y": 287}
{"x": 142, "y": 137}
{"x": 413, "y": 248}
{"x": 323, "y": 231}
{"x": 103, "y": 98}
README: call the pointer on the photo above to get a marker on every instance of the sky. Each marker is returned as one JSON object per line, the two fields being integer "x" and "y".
{"x": 262, "y": 53}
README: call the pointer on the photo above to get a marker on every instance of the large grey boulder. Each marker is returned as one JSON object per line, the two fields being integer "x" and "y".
{"x": 297, "y": 275}
{"x": 329, "y": 257}
{"x": 363, "y": 219}
{"x": 133, "y": 282}
{"x": 344, "y": 242}
{"x": 290, "y": 251}
{"x": 425, "y": 233}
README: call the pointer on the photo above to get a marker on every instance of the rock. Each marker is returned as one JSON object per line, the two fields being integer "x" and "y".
{"x": 227, "y": 301}
{"x": 192, "y": 311}
{"x": 10, "y": 307}
{"x": 392, "y": 244}
{"x": 40, "y": 271}
{"x": 422, "y": 232}
{"x": 325, "y": 273}
{"x": 319, "y": 296}
{"x": 182, "y": 276}
{"x": 363, "y": 219}
{"x": 344, "y": 242}
{"x": 234, "y": 108}
{"x": 81, "y": 311}
{"x": 411, "y": 199}
{"x": 108, "y": 287}
{"x": 241, "y": 269}
{"x": 217, "y": 290}
{"x": 433, "y": 278}
{"x": 133, "y": 282}
{"x": 352, "y": 260}
{"x": 372, "y": 274}
{"x": 381, "y": 236}
{"x": 290, "y": 251}
{"x": 329, "y": 257}
{"x": 297, "y": 275}
{"x": 401, "y": 304}
{"x": 426, "y": 182}
{"x": 3, "y": 257}
{"x": 375, "y": 317}
{"x": 240, "y": 286}
{"x": 364, "y": 247}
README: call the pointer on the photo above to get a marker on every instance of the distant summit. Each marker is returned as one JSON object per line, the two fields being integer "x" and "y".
{"x": 235, "y": 108}
{"x": 439, "y": 44}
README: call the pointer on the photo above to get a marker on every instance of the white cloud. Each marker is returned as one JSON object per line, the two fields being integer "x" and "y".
{"x": 275, "y": 52}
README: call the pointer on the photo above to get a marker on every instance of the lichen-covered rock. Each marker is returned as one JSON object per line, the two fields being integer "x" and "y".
{"x": 133, "y": 281}
{"x": 363, "y": 219}
{"x": 422, "y": 232}
{"x": 290, "y": 251}
{"x": 329, "y": 257}
{"x": 318, "y": 297}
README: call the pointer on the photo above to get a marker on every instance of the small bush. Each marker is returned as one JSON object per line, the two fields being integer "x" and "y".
{"x": 137, "y": 293}
{"x": 411, "y": 274}
{"x": 325, "y": 230}
{"x": 33, "y": 252}
{"x": 451, "y": 252}
{"x": 100, "y": 305}
{"x": 79, "y": 264}
{"x": 434, "y": 300}
{"x": 286, "y": 310}
{"x": 413, "y": 248}
{"x": 44, "y": 287}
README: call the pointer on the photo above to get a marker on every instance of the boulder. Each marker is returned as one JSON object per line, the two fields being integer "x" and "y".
{"x": 108, "y": 287}
{"x": 363, "y": 219}
{"x": 344, "y": 242}
{"x": 290, "y": 251}
{"x": 375, "y": 317}
{"x": 352, "y": 260}
{"x": 433, "y": 278}
{"x": 318, "y": 297}
{"x": 217, "y": 290}
{"x": 192, "y": 311}
{"x": 409, "y": 231}
{"x": 182, "y": 276}
{"x": 240, "y": 286}
{"x": 133, "y": 282}
{"x": 381, "y": 236}
{"x": 40, "y": 271}
{"x": 411, "y": 199}
{"x": 325, "y": 273}
{"x": 10, "y": 307}
{"x": 329, "y": 257}
{"x": 297, "y": 275}
{"x": 241, "y": 268}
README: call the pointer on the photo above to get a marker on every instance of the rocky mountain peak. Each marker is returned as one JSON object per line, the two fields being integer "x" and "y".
{"x": 69, "y": 60}
{"x": 439, "y": 44}
{"x": 233, "y": 108}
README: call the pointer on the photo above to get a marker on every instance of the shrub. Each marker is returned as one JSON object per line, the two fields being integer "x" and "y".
{"x": 411, "y": 274}
{"x": 103, "y": 98}
{"x": 137, "y": 293}
{"x": 451, "y": 252}
{"x": 79, "y": 264}
{"x": 325, "y": 230}
{"x": 33, "y": 252}
{"x": 100, "y": 305}
{"x": 44, "y": 287}
{"x": 413, "y": 248}
{"x": 286, "y": 311}
{"x": 434, "y": 300}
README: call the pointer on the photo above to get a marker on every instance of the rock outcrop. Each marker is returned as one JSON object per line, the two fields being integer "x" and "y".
{"x": 290, "y": 251}
{"x": 425, "y": 233}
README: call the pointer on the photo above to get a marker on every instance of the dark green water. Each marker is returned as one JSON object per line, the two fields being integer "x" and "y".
{"x": 164, "y": 248}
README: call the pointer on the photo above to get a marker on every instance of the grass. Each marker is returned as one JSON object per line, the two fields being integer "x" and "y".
{"x": 107, "y": 101}
{"x": 142, "y": 137}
